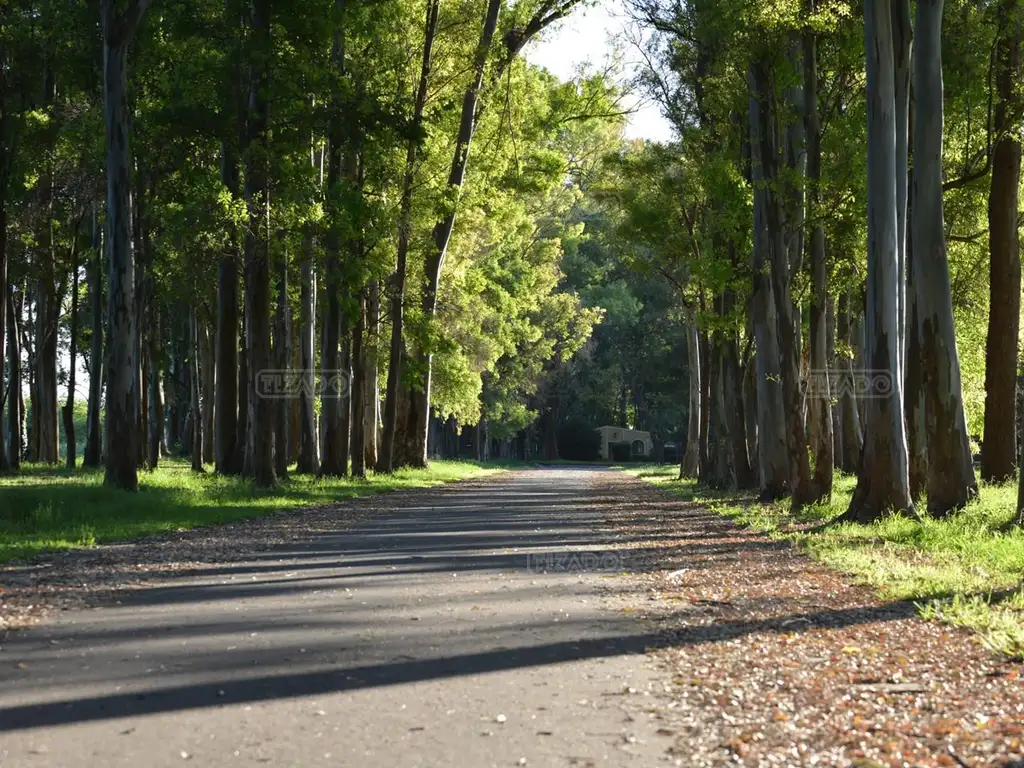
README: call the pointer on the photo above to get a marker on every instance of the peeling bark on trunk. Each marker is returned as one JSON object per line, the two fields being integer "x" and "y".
{"x": 122, "y": 437}
{"x": 951, "y": 481}
{"x": 999, "y": 449}
{"x": 883, "y": 484}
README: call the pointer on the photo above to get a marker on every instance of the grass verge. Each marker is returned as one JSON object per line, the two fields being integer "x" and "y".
{"x": 967, "y": 571}
{"x": 44, "y": 509}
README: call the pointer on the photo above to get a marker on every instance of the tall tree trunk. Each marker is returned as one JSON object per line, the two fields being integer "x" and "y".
{"x": 226, "y": 406}
{"x": 16, "y": 402}
{"x": 358, "y": 390}
{"x": 93, "y": 456}
{"x": 257, "y": 251}
{"x": 68, "y": 412}
{"x": 690, "y": 463}
{"x": 209, "y": 385}
{"x": 883, "y": 484}
{"x": 242, "y": 423}
{"x": 7, "y": 388}
{"x": 951, "y": 481}
{"x": 282, "y": 354}
{"x": 122, "y": 444}
{"x": 309, "y": 450}
{"x": 821, "y": 398}
{"x": 345, "y": 402}
{"x": 902, "y": 41}
{"x": 999, "y": 449}
{"x": 743, "y": 473}
{"x": 386, "y": 454}
{"x": 914, "y": 400}
{"x": 772, "y": 446}
{"x": 853, "y": 438}
{"x": 371, "y": 397}
{"x": 750, "y": 416}
{"x": 156, "y": 404}
{"x": 195, "y": 412}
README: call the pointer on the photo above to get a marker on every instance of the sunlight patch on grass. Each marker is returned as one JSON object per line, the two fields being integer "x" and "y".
{"x": 967, "y": 571}
{"x": 43, "y": 509}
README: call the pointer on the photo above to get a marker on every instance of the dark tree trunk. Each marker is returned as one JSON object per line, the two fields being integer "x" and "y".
{"x": 9, "y": 387}
{"x": 257, "y": 252}
{"x": 358, "y": 390}
{"x": 282, "y": 354}
{"x": 195, "y": 412}
{"x": 743, "y": 473}
{"x": 242, "y": 423}
{"x": 156, "y": 400}
{"x": 951, "y": 481}
{"x": 853, "y": 438}
{"x": 999, "y": 449}
{"x": 772, "y": 442}
{"x": 122, "y": 438}
{"x": 68, "y": 412}
{"x": 371, "y": 396}
{"x": 386, "y": 454}
{"x": 821, "y": 396}
{"x": 16, "y": 402}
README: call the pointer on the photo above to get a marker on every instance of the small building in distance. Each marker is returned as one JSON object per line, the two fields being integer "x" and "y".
{"x": 638, "y": 443}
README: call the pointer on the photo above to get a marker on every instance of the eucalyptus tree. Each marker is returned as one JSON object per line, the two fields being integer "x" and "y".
{"x": 951, "y": 481}
{"x": 883, "y": 483}
{"x": 119, "y": 28}
{"x": 999, "y": 449}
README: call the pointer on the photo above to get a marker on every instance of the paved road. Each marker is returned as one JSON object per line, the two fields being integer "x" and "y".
{"x": 430, "y": 636}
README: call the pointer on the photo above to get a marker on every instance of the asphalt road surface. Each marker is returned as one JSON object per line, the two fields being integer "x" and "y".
{"x": 468, "y": 627}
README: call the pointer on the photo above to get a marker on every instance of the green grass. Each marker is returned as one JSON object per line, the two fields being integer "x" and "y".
{"x": 967, "y": 571}
{"x": 46, "y": 509}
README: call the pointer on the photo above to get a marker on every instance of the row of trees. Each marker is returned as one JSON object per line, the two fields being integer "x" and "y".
{"x": 278, "y": 189}
{"x": 824, "y": 220}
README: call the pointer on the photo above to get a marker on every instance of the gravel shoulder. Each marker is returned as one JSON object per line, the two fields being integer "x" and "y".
{"x": 776, "y": 660}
